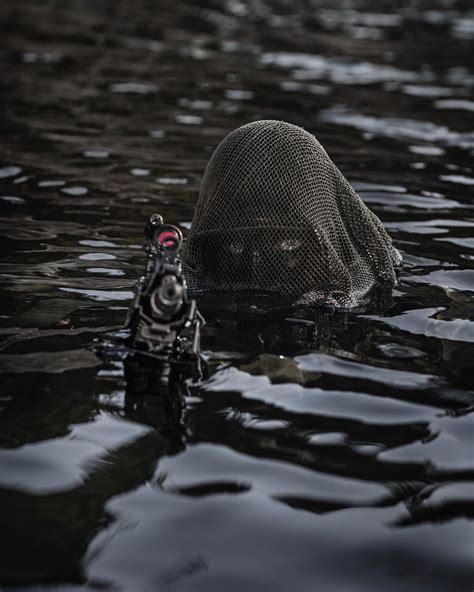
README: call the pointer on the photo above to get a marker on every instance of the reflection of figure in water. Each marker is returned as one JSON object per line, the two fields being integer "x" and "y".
{"x": 49, "y": 534}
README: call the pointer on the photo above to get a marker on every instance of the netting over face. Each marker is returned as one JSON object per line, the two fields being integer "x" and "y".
{"x": 275, "y": 215}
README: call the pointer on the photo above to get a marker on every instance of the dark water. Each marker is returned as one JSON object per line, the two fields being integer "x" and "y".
{"x": 331, "y": 452}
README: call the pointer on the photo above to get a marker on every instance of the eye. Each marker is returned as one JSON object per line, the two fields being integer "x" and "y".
{"x": 288, "y": 244}
{"x": 236, "y": 247}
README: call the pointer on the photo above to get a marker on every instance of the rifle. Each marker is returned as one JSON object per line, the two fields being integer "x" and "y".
{"x": 165, "y": 325}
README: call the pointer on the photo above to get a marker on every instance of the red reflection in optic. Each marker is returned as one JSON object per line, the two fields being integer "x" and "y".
{"x": 168, "y": 239}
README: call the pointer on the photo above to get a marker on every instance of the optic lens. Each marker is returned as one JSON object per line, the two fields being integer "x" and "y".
{"x": 169, "y": 239}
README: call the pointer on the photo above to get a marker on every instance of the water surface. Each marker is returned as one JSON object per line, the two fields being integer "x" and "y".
{"x": 328, "y": 450}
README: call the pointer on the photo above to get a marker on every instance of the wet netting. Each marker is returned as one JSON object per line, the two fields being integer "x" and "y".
{"x": 276, "y": 216}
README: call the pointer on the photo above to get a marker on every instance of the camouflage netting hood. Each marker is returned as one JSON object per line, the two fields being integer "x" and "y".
{"x": 276, "y": 216}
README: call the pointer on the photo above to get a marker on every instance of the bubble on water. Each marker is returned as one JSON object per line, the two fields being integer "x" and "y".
{"x": 418, "y": 165}
{"x": 75, "y": 190}
{"x": 137, "y": 172}
{"x": 9, "y": 171}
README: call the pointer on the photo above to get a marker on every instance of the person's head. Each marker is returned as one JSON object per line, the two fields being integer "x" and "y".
{"x": 275, "y": 215}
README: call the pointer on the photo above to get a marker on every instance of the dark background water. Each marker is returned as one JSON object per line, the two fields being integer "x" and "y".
{"x": 332, "y": 452}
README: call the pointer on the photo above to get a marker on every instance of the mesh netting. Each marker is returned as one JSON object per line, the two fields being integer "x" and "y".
{"x": 276, "y": 216}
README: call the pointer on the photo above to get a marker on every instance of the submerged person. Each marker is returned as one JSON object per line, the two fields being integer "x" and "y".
{"x": 275, "y": 216}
